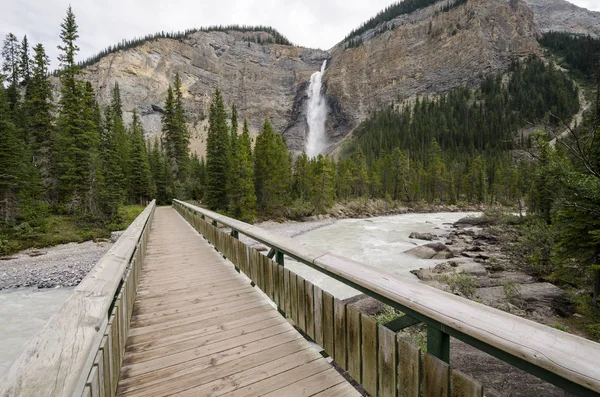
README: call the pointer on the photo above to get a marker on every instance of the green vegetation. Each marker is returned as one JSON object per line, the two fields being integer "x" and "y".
{"x": 67, "y": 172}
{"x": 461, "y": 283}
{"x": 578, "y": 53}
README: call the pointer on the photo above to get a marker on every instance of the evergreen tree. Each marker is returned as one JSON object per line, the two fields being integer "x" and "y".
{"x": 123, "y": 140}
{"x": 140, "y": 178}
{"x": 232, "y": 182}
{"x": 243, "y": 198}
{"x": 301, "y": 183}
{"x": 40, "y": 118}
{"x": 10, "y": 162}
{"x": 175, "y": 134}
{"x": 160, "y": 176}
{"x": 322, "y": 190}
{"x": 272, "y": 170}
{"x": 24, "y": 69}
{"x": 112, "y": 191}
{"x": 10, "y": 66}
{"x": 217, "y": 155}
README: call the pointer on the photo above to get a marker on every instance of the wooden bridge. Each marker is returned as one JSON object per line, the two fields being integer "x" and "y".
{"x": 180, "y": 306}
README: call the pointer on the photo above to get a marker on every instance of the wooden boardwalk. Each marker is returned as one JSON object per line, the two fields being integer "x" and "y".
{"x": 200, "y": 329}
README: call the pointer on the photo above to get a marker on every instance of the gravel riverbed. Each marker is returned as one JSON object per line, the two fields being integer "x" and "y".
{"x": 63, "y": 265}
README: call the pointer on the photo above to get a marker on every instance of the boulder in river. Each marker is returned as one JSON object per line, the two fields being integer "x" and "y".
{"x": 421, "y": 236}
{"x": 431, "y": 251}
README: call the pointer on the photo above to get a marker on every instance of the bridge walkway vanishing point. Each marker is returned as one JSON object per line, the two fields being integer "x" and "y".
{"x": 199, "y": 328}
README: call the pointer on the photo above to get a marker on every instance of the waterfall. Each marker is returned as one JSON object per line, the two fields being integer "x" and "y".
{"x": 316, "y": 115}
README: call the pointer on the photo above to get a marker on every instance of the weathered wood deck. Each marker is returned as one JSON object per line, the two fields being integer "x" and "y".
{"x": 199, "y": 328}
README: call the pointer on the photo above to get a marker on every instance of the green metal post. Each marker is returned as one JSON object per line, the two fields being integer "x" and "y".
{"x": 279, "y": 260}
{"x": 235, "y": 235}
{"x": 438, "y": 343}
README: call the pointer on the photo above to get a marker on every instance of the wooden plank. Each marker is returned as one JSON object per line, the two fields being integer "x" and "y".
{"x": 387, "y": 362}
{"x": 287, "y": 292}
{"x": 409, "y": 364}
{"x": 293, "y": 298}
{"x": 301, "y": 303}
{"x": 107, "y": 376}
{"x": 93, "y": 382}
{"x": 61, "y": 350}
{"x": 462, "y": 385}
{"x": 318, "y": 315}
{"x": 87, "y": 392}
{"x": 369, "y": 340}
{"x": 281, "y": 287}
{"x": 328, "y": 324}
{"x": 99, "y": 363}
{"x": 269, "y": 277}
{"x": 339, "y": 328}
{"x": 436, "y": 377}
{"x": 276, "y": 289}
{"x": 310, "y": 309}
{"x": 354, "y": 343}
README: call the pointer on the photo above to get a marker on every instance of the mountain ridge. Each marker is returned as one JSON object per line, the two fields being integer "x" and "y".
{"x": 424, "y": 52}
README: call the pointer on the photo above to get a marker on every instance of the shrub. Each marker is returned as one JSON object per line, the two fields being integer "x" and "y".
{"x": 461, "y": 282}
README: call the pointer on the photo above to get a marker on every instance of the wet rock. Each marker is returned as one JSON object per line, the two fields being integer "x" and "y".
{"x": 365, "y": 304}
{"x": 471, "y": 221}
{"x": 440, "y": 270}
{"x": 421, "y": 236}
{"x": 431, "y": 251}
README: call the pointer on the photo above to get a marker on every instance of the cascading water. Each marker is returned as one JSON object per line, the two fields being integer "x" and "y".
{"x": 316, "y": 115}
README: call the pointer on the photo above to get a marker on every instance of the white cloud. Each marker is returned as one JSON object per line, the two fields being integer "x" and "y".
{"x": 309, "y": 23}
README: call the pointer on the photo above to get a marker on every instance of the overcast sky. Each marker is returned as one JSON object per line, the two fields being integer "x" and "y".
{"x": 309, "y": 23}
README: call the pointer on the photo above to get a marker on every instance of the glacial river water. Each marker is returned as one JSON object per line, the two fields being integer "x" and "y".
{"x": 378, "y": 242}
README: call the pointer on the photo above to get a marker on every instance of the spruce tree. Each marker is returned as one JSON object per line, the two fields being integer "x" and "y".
{"x": 24, "y": 68}
{"x": 272, "y": 170}
{"x": 112, "y": 173}
{"x": 157, "y": 168}
{"x": 175, "y": 134}
{"x": 217, "y": 155}
{"x": 10, "y": 66}
{"x": 10, "y": 162}
{"x": 243, "y": 197}
{"x": 40, "y": 117}
{"x": 140, "y": 179}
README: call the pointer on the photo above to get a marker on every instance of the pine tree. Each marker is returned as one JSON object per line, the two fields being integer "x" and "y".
{"x": 74, "y": 146}
{"x": 217, "y": 156}
{"x": 140, "y": 179}
{"x": 301, "y": 183}
{"x": 175, "y": 133}
{"x": 10, "y": 66}
{"x": 112, "y": 173}
{"x": 159, "y": 176}
{"x": 40, "y": 120}
{"x": 322, "y": 191}
{"x": 24, "y": 69}
{"x": 121, "y": 137}
{"x": 10, "y": 162}
{"x": 272, "y": 170}
{"x": 243, "y": 197}
{"x": 233, "y": 174}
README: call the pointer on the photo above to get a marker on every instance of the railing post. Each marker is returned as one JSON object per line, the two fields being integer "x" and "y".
{"x": 438, "y": 343}
{"x": 279, "y": 260}
{"x": 235, "y": 235}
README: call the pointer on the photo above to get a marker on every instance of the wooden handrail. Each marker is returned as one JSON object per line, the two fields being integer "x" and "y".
{"x": 567, "y": 360}
{"x": 57, "y": 361}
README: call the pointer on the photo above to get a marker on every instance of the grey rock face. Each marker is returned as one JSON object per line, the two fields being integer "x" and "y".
{"x": 560, "y": 15}
{"x": 262, "y": 80}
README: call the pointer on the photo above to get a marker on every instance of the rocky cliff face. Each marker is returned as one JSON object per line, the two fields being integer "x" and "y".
{"x": 562, "y": 16}
{"x": 423, "y": 53}
{"x": 262, "y": 80}
{"x": 429, "y": 52}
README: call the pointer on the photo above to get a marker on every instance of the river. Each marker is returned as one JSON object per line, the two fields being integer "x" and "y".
{"x": 23, "y": 313}
{"x": 379, "y": 242}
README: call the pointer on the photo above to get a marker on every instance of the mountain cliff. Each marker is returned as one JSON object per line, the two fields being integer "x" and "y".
{"x": 428, "y": 51}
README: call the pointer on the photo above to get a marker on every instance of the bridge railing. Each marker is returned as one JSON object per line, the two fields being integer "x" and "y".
{"x": 80, "y": 350}
{"x": 374, "y": 355}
